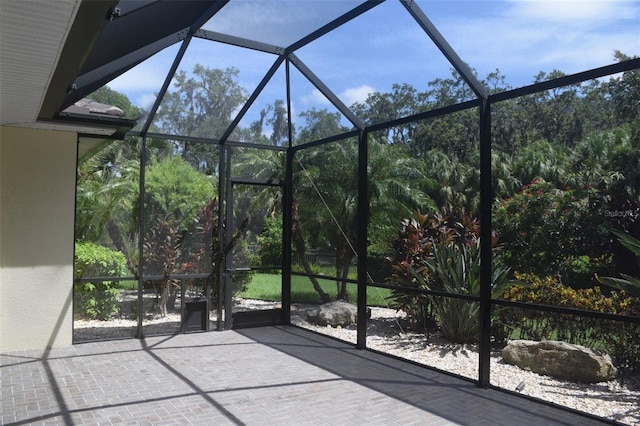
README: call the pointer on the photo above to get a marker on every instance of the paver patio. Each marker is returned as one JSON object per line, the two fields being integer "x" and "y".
{"x": 262, "y": 376}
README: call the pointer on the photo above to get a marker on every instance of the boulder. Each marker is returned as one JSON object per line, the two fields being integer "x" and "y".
{"x": 338, "y": 313}
{"x": 560, "y": 360}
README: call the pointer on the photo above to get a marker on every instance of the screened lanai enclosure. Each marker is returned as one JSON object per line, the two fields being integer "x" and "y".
{"x": 345, "y": 167}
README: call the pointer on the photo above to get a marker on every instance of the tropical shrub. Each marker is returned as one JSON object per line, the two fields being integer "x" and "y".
{"x": 539, "y": 325}
{"x": 624, "y": 340}
{"x": 445, "y": 258}
{"x": 97, "y": 299}
{"x": 455, "y": 269}
{"x": 409, "y": 253}
{"x": 548, "y": 231}
{"x": 626, "y": 282}
{"x": 270, "y": 241}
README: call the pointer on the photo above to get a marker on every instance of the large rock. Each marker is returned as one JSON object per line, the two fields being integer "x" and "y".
{"x": 335, "y": 314}
{"x": 561, "y": 360}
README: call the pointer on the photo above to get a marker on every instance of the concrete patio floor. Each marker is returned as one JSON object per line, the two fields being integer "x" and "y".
{"x": 259, "y": 376}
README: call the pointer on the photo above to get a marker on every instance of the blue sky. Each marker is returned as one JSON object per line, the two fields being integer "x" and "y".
{"x": 385, "y": 46}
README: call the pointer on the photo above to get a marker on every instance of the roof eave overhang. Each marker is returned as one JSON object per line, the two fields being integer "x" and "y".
{"x": 119, "y": 126}
{"x": 90, "y": 20}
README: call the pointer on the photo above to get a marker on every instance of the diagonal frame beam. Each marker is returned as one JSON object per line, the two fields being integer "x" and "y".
{"x": 239, "y": 42}
{"x": 445, "y": 48}
{"x": 357, "y": 122}
{"x": 136, "y": 35}
{"x": 94, "y": 79}
{"x": 165, "y": 86}
{"x": 353, "y": 13}
{"x": 252, "y": 98}
{"x": 204, "y": 17}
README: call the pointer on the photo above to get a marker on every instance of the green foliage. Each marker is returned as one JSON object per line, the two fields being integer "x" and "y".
{"x": 410, "y": 251}
{"x": 454, "y": 186}
{"x": 565, "y": 136}
{"x": 542, "y": 160}
{"x": 242, "y": 258}
{"x": 538, "y": 325}
{"x": 434, "y": 254}
{"x": 175, "y": 190}
{"x": 329, "y": 211}
{"x": 616, "y": 338}
{"x": 270, "y": 241}
{"x": 319, "y": 124}
{"x": 627, "y": 283}
{"x": 313, "y": 269}
{"x": 92, "y": 260}
{"x": 625, "y": 91}
{"x": 273, "y": 115}
{"x": 107, "y": 199}
{"x": 181, "y": 217}
{"x": 97, "y": 299}
{"x": 395, "y": 189}
{"x": 546, "y": 230}
{"x": 456, "y": 269}
{"x": 181, "y": 220}
{"x": 203, "y": 103}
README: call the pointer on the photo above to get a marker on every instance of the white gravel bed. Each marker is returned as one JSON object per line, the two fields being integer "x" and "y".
{"x": 607, "y": 399}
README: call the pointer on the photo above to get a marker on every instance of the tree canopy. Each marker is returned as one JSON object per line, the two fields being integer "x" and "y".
{"x": 575, "y": 145}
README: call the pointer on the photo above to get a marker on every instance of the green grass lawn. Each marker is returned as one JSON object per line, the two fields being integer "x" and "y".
{"x": 268, "y": 287}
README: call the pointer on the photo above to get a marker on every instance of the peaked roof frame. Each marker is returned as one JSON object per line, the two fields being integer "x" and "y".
{"x": 134, "y": 34}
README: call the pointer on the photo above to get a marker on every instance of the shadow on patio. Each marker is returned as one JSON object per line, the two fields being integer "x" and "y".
{"x": 268, "y": 375}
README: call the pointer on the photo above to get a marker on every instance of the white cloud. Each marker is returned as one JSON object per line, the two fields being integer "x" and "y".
{"x": 348, "y": 96}
{"x": 143, "y": 77}
{"x": 314, "y": 98}
{"x": 524, "y": 37}
{"x": 569, "y": 11}
{"x": 356, "y": 94}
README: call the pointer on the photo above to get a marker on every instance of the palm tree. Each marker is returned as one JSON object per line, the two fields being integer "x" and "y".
{"x": 396, "y": 188}
{"x": 270, "y": 165}
{"x": 331, "y": 198}
{"x": 543, "y": 160}
{"x": 328, "y": 201}
{"x": 456, "y": 184}
{"x": 504, "y": 183}
{"x": 107, "y": 194}
{"x": 609, "y": 161}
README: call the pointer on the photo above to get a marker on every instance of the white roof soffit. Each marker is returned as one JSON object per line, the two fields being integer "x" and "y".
{"x": 32, "y": 36}
{"x": 43, "y": 46}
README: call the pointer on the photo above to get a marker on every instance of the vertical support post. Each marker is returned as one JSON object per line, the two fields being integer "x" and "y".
{"x": 287, "y": 221}
{"x": 289, "y": 120}
{"x": 221, "y": 234}
{"x": 287, "y": 225}
{"x": 363, "y": 225}
{"x": 141, "y": 231}
{"x": 228, "y": 250}
{"x": 183, "y": 306}
{"x": 486, "y": 200}
{"x": 207, "y": 296}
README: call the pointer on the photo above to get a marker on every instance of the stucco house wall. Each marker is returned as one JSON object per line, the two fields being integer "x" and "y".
{"x": 37, "y": 201}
